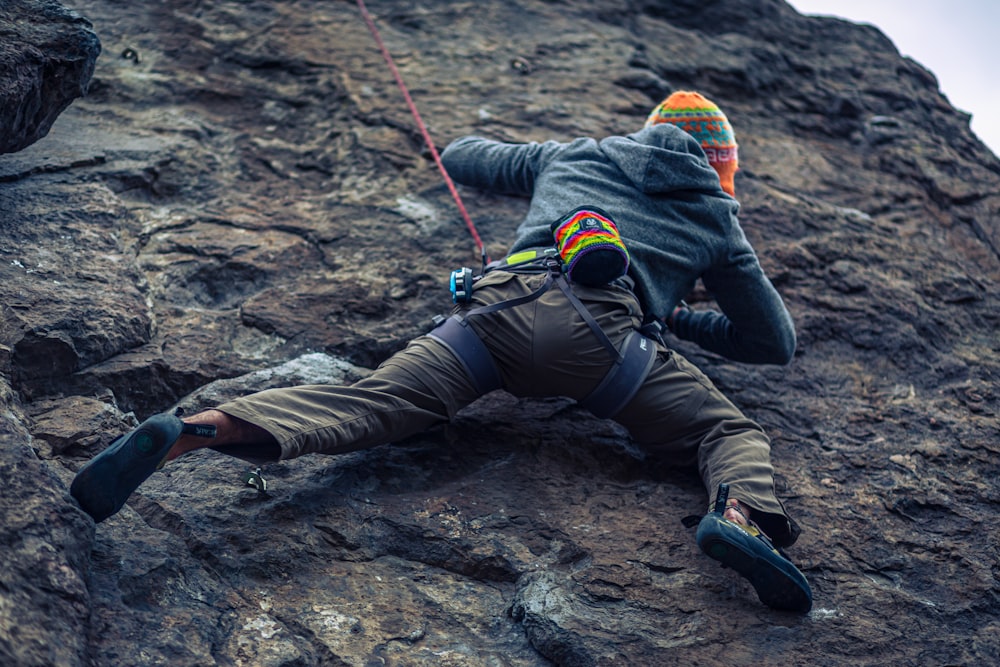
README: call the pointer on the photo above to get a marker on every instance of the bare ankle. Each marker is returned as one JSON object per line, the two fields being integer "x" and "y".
{"x": 229, "y": 430}
{"x": 210, "y": 416}
{"x": 737, "y": 512}
{"x": 188, "y": 443}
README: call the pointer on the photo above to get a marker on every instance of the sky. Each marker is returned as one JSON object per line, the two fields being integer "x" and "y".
{"x": 957, "y": 40}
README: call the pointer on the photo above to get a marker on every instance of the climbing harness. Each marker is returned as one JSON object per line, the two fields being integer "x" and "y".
{"x": 631, "y": 364}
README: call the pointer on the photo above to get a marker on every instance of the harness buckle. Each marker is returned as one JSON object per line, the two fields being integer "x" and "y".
{"x": 654, "y": 328}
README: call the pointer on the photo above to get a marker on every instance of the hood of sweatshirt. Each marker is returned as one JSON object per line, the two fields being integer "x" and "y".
{"x": 662, "y": 158}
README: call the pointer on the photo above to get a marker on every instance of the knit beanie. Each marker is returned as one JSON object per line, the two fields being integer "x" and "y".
{"x": 704, "y": 121}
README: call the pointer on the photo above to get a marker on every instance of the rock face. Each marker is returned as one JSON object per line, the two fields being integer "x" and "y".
{"x": 243, "y": 200}
{"x": 47, "y": 56}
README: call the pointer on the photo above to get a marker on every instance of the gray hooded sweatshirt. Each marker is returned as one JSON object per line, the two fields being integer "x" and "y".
{"x": 676, "y": 221}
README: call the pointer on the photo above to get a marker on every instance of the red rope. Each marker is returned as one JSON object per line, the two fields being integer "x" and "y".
{"x": 423, "y": 128}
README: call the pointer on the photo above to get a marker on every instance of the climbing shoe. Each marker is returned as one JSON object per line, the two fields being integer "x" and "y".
{"x": 746, "y": 549}
{"x": 104, "y": 484}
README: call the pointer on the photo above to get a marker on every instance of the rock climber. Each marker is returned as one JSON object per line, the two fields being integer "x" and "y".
{"x": 617, "y": 234}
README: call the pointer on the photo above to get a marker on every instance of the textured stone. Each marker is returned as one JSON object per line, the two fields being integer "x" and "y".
{"x": 45, "y": 604}
{"x": 243, "y": 201}
{"x": 47, "y": 56}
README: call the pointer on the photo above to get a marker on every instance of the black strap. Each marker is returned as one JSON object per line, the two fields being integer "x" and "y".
{"x": 532, "y": 260}
{"x": 456, "y": 334}
{"x": 589, "y": 319}
{"x": 510, "y": 303}
{"x": 624, "y": 379}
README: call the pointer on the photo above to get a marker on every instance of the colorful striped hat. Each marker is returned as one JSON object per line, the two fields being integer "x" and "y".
{"x": 704, "y": 121}
{"x": 590, "y": 246}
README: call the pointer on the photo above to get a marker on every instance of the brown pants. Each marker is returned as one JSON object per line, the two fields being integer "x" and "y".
{"x": 541, "y": 348}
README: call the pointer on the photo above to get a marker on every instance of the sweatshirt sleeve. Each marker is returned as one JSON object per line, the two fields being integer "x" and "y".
{"x": 754, "y": 325}
{"x": 496, "y": 166}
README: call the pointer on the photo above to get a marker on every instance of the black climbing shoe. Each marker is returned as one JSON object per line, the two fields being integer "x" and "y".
{"x": 104, "y": 484}
{"x": 746, "y": 549}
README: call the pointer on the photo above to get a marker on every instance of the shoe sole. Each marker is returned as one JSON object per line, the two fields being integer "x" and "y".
{"x": 104, "y": 484}
{"x": 778, "y": 583}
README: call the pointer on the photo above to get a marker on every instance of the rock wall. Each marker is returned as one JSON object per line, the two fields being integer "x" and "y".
{"x": 242, "y": 200}
{"x": 48, "y": 55}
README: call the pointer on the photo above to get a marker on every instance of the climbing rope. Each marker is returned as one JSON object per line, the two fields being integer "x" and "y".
{"x": 423, "y": 129}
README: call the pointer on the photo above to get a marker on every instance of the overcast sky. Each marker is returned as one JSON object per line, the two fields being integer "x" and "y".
{"x": 958, "y": 40}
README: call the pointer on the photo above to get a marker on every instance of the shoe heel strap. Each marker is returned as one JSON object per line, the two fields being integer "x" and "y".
{"x": 199, "y": 430}
{"x": 721, "y": 498}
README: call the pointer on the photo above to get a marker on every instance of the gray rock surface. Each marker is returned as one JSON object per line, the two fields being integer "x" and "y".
{"x": 47, "y": 56}
{"x": 243, "y": 200}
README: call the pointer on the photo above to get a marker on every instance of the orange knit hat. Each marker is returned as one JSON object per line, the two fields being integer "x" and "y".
{"x": 704, "y": 121}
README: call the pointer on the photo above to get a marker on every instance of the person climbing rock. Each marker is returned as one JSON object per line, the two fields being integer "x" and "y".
{"x": 617, "y": 233}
